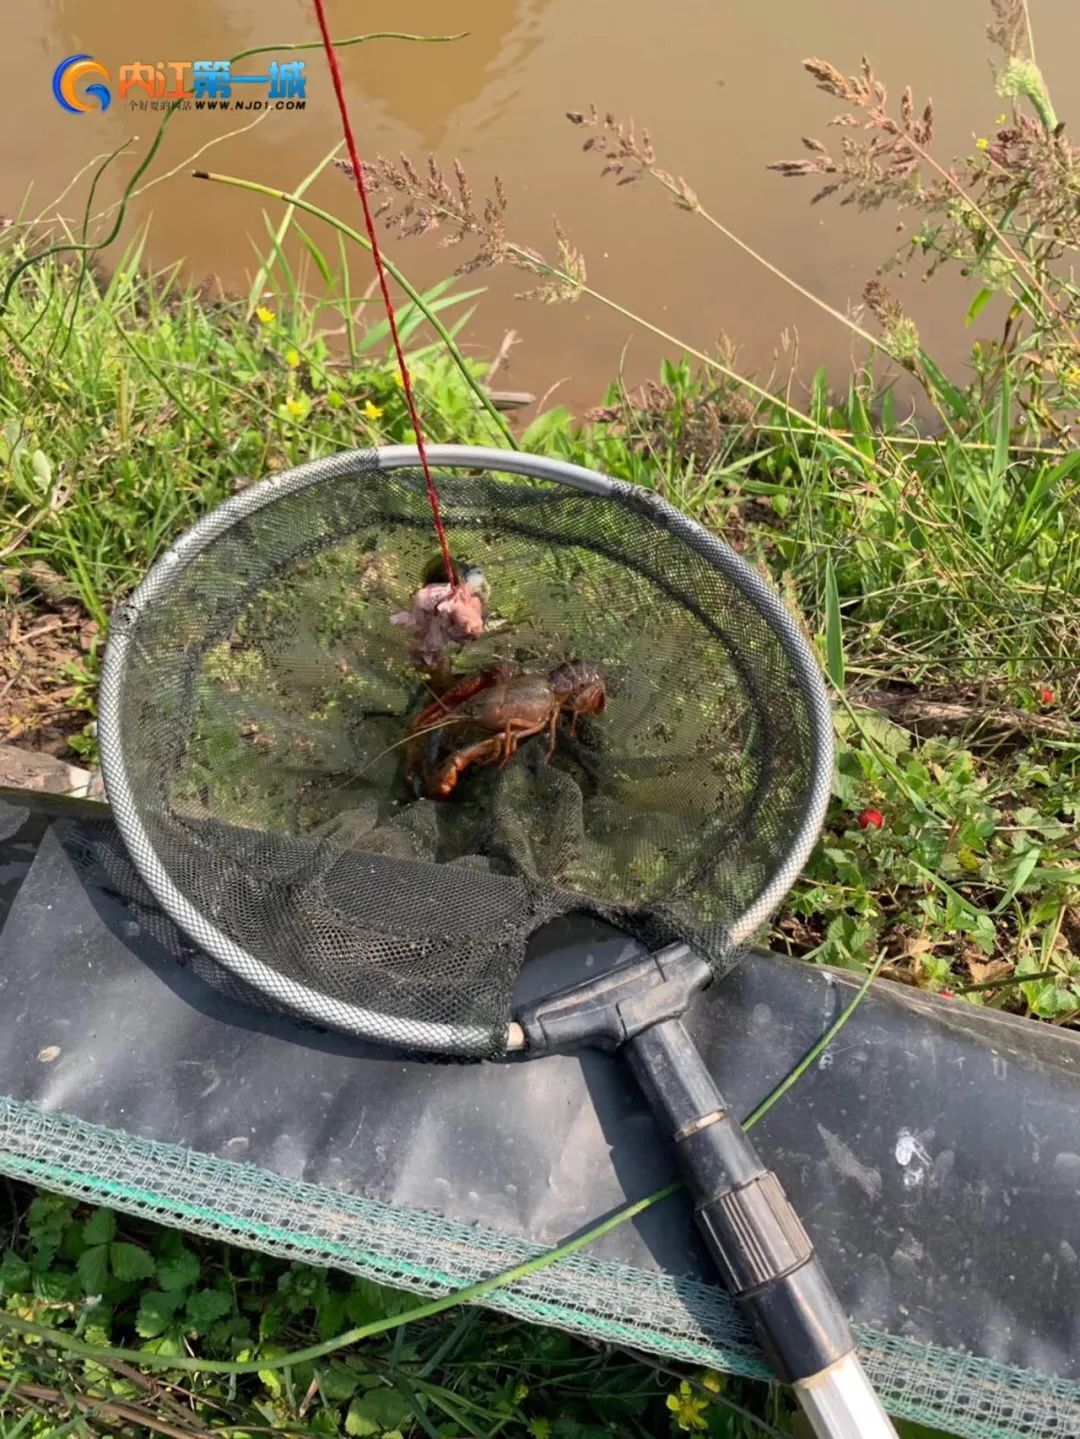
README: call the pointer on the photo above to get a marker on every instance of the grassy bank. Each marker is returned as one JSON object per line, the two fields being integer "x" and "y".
{"x": 467, "y": 1374}
{"x": 132, "y": 404}
{"x": 941, "y": 579}
{"x": 936, "y": 565}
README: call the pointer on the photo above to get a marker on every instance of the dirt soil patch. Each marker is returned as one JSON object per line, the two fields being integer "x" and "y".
{"x": 44, "y": 648}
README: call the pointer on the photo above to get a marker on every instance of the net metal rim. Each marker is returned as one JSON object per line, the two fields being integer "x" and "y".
{"x": 309, "y": 1003}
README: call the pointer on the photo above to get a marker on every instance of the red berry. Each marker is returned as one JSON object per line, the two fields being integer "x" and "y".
{"x": 871, "y": 819}
{"x": 1046, "y": 696}
{"x": 947, "y": 993}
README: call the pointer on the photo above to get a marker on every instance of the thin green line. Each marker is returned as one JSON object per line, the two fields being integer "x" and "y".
{"x": 816, "y": 1050}
{"x": 469, "y": 1294}
{"x": 521, "y": 1303}
{"x": 61, "y": 249}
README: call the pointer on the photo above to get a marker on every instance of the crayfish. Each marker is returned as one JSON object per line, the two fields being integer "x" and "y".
{"x": 506, "y": 707}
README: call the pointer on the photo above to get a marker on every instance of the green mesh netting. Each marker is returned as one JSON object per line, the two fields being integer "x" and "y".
{"x": 676, "y": 1317}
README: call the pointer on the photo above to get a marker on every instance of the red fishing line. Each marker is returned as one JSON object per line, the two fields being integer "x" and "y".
{"x": 376, "y": 254}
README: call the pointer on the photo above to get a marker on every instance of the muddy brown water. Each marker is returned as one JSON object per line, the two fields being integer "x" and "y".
{"x": 719, "y": 85}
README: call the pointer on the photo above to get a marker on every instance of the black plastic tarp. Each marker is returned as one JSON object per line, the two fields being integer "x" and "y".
{"x": 933, "y": 1151}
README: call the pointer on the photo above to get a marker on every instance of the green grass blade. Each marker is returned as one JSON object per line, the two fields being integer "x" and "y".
{"x": 816, "y": 1050}
{"x": 862, "y": 433}
{"x": 834, "y": 632}
{"x": 410, "y": 316}
{"x": 1001, "y": 439}
{"x": 347, "y": 299}
{"x": 318, "y": 256}
{"x": 1023, "y": 872}
{"x": 819, "y": 397}
{"x": 956, "y": 402}
{"x": 279, "y": 261}
{"x": 978, "y": 305}
{"x": 262, "y": 277}
{"x": 948, "y": 891}
{"x": 362, "y": 240}
{"x": 1042, "y": 490}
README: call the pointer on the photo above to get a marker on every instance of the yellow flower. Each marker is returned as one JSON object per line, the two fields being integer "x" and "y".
{"x": 981, "y": 144}
{"x": 712, "y": 1381}
{"x": 265, "y": 316}
{"x": 688, "y": 1408}
{"x": 372, "y": 411}
{"x": 1000, "y": 120}
{"x": 296, "y": 408}
{"x": 399, "y": 379}
{"x": 292, "y": 357}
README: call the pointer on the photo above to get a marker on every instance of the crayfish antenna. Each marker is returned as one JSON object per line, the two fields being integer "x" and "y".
{"x": 408, "y": 739}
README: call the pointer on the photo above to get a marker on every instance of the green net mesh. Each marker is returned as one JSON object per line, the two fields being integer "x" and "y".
{"x": 679, "y": 1318}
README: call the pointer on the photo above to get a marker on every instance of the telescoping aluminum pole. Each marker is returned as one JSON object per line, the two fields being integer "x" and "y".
{"x": 749, "y": 1227}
